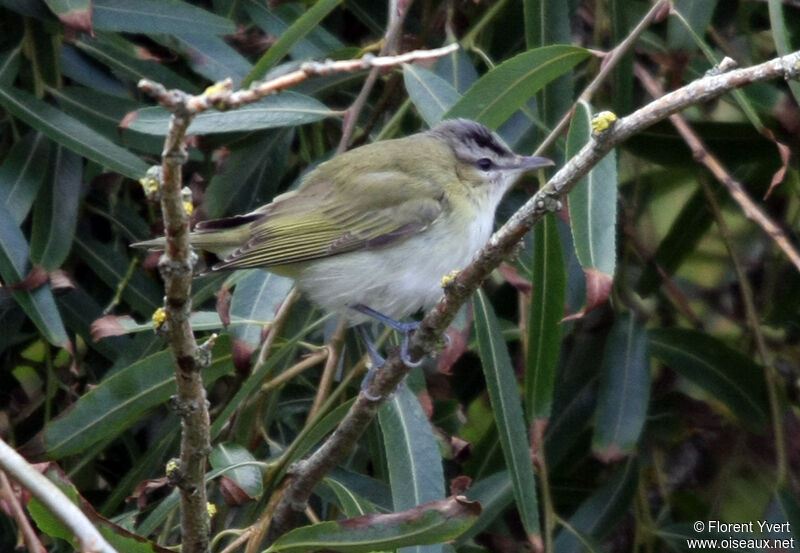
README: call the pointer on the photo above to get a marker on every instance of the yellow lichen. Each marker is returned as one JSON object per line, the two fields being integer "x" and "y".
{"x": 603, "y": 121}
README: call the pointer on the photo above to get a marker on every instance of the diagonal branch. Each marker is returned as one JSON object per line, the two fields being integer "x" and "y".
{"x": 502, "y": 243}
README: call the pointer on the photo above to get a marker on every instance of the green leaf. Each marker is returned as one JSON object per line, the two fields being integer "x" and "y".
{"x": 548, "y": 294}
{"x": 9, "y": 65}
{"x": 415, "y": 464}
{"x": 785, "y": 511}
{"x": 124, "y": 398}
{"x": 212, "y": 57}
{"x": 158, "y": 17}
{"x": 548, "y": 22}
{"x": 22, "y": 173}
{"x": 780, "y": 34}
{"x": 287, "y": 109}
{"x": 593, "y": 202}
{"x": 624, "y": 391}
{"x": 56, "y": 212}
{"x": 457, "y": 69}
{"x": 142, "y": 293}
{"x": 504, "y": 395}
{"x": 250, "y": 174}
{"x": 602, "y": 511}
{"x": 249, "y": 478}
{"x": 432, "y": 95}
{"x": 434, "y": 522}
{"x": 38, "y": 304}
{"x": 256, "y": 297}
{"x": 70, "y": 133}
{"x": 201, "y": 321}
{"x": 304, "y": 24}
{"x": 697, "y": 13}
{"x": 727, "y": 375}
{"x": 509, "y": 86}
{"x": 125, "y": 58}
{"x": 351, "y": 503}
{"x": 495, "y": 493}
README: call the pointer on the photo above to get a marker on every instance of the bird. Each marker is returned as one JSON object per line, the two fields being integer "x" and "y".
{"x": 370, "y": 233}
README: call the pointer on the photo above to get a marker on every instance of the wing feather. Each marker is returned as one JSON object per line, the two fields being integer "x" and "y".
{"x": 305, "y": 226}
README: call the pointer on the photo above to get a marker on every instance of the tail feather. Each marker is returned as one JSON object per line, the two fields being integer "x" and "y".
{"x": 154, "y": 244}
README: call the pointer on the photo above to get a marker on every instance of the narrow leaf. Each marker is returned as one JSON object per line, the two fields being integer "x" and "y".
{"x": 548, "y": 294}
{"x": 9, "y": 65}
{"x": 70, "y": 133}
{"x": 602, "y": 511}
{"x": 300, "y": 28}
{"x": 249, "y": 478}
{"x": 495, "y": 493}
{"x": 158, "y": 17}
{"x": 624, "y": 391}
{"x": 22, "y": 173}
{"x": 727, "y": 375}
{"x": 122, "y": 399}
{"x": 212, "y": 57}
{"x": 415, "y": 464}
{"x": 697, "y": 14}
{"x": 504, "y": 395}
{"x": 75, "y": 14}
{"x": 434, "y": 522}
{"x": 430, "y": 93}
{"x": 38, "y": 304}
{"x": 287, "y": 109}
{"x": 509, "y": 86}
{"x": 56, "y": 212}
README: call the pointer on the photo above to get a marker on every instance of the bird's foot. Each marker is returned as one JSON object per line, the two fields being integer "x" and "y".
{"x": 406, "y": 329}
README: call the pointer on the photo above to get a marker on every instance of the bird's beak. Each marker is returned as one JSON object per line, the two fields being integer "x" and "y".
{"x": 529, "y": 163}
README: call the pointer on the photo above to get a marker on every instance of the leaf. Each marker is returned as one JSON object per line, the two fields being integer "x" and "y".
{"x": 212, "y": 57}
{"x": 495, "y": 494}
{"x": 56, "y": 212}
{"x": 131, "y": 61}
{"x": 624, "y": 391}
{"x": 433, "y": 522}
{"x": 256, "y": 297}
{"x": 509, "y": 86}
{"x": 124, "y": 398}
{"x": 430, "y": 93}
{"x": 249, "y": 175}
{"x": 415, "y": 464}
{"x": 142, "y": 293}
{"x": 780, "y": 34}
{"x": 71, "y": 133}
{"x": 113, "y": 325}
{"x": 593, "y": 202}
{"x": 697, "y": 14}
{"x": 602, "y": 511}
{"x": 351, "y": 503}
{"x": 249, "y": 478}
{"x": 22, "y": 173}
{"x": 548, "y": 294}
{"x": 287, "y": 109}
{"x": 457, "y": 69}
{"x": 158, "y": 17}
{"x": 502, "y": 387}
{"x": 9, "y": 65}
{"x": 75, "y": 14}
{"x": 727, "y": 375}
{"x": 304, "y": 24}
{"x": 38, "y": 304}
{"x": 593, "y": 215}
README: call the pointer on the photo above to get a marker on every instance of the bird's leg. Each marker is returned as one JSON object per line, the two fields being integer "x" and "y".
{"x": 403, "y": 328}
{"x": 377, "y": 363}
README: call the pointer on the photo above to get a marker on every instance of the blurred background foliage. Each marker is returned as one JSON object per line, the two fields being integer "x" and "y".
{"x": 673, "y": 401}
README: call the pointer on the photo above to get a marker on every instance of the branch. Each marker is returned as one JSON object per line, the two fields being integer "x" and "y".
{"x": 88, "y": 537}
{"x": 502, "y": 243}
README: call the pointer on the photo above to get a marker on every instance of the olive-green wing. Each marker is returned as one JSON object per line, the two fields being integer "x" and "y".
{"x": 369, "y": 212}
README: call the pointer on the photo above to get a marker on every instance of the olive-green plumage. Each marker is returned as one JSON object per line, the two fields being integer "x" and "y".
{"x": 378, "y": 225}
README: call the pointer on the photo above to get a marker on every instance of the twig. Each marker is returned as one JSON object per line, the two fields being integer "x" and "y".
{"x": 609, "y": 62}
{"x": 32, "y": 541}
{"x": 334, "y": 352}
{"x": 397, "y": 14}
{"x": 501, "y": 245}
{"x": 291, "y": 372}
{"x": 89, "y": 539}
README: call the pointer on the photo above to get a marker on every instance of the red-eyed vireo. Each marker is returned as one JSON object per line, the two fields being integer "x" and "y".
{"x": 380, "y": 225}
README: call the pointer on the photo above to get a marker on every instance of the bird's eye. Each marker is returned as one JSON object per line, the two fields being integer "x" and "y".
{"x": 484, "y": 163}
